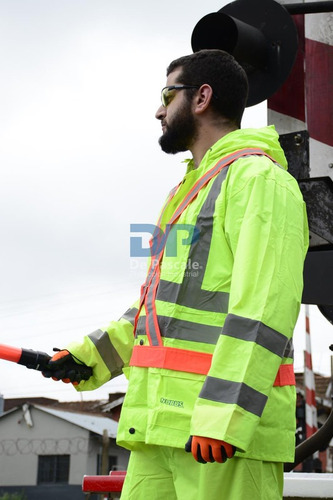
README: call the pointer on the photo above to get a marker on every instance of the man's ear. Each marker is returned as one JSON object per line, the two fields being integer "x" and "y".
{"x": 202, "y": 98}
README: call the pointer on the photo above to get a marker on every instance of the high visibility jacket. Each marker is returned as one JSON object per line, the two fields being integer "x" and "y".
{"x": 212, "y": 352}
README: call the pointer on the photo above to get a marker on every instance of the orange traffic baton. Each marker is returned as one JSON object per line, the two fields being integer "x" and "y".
{"x": 38, "y": 360}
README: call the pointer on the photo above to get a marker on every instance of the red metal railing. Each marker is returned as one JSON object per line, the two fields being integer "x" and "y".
{"x": 112, "y": 483}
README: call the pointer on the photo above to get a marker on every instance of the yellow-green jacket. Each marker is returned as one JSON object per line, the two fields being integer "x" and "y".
{"x": 230, "y": 289}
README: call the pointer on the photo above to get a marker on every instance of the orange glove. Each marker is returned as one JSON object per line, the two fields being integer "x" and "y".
{"x": 62, "y": 366}
{"x": 206, "y": 449}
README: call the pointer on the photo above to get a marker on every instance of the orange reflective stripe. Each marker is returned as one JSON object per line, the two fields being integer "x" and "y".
{"x": 285, "y": 376}
{"x": 171, "y": 358}
{"x": 184, "y": 360}
{"x": 152, "y": 326}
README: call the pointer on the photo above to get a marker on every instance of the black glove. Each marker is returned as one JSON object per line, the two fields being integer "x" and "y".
{"x": 63, "y": 366}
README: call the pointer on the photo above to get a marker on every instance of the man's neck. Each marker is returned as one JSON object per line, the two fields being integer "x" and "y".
{"x": 207, "y": 136}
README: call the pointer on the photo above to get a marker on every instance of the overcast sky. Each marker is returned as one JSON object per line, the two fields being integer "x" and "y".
{"x": 80, "y": 84}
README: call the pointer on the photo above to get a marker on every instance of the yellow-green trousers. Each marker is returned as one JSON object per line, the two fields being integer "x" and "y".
{"x": 160, "y": 472}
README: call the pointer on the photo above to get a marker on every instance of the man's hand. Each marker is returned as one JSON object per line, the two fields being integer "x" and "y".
{"x": 209, "y": 450}
{"x": 62, "y": 366}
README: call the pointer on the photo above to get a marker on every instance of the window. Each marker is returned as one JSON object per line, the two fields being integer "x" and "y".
{"x": 112, "y": 465}
{"x": 53, "y": 469}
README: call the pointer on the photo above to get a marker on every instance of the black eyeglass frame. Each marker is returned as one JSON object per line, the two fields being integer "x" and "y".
{"x": 175, "y": 87}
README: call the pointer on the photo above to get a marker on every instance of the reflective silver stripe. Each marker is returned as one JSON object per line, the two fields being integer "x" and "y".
{"x": 183, "y": 330}
{"x": 195, "y": 332}
{"x": 150, "y": 302}
{"x": 141, "y": 326}
{"x": 225, "y": 391}
{"x": 107, "y": 352}
{"x": 190, "y": 293}
{"x": 186, "y": 330}
{"x": 255, "y": 331}
{"x": 289, "y": 350}
{"x": 130, "y": 314}
{"x": 182, "y": 294}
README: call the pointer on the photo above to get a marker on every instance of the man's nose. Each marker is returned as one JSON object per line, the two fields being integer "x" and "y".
{"x": 160, "y": 113}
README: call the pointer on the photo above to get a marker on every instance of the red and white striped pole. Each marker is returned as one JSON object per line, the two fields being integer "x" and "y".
{"x": 309, "y": 380}
{"x": 305, "y": 101}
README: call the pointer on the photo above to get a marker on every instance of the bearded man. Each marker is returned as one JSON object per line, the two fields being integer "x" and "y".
{"x": 210, "y": 407}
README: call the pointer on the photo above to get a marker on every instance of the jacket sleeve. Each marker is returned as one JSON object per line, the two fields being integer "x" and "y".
{"x": 106, "y": 350}
{"x": 266, "y": 229}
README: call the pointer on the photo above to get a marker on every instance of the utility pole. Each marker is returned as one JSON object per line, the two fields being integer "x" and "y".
{"x": 105, "y": 457}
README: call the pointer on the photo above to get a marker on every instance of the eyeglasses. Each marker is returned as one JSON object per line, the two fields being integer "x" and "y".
{"x": 167, "y": 95}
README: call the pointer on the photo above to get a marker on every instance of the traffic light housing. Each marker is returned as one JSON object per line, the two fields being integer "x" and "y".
{"x": 262, "y": 37}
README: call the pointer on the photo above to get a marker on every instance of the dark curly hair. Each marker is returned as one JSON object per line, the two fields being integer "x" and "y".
{"x": 222, "y": 72}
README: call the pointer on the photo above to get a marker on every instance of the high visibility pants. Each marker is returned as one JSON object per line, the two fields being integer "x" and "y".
{"x": 158, "y": 472}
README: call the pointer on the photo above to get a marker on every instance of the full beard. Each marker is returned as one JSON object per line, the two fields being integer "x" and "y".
{"x": 180, "y": 133}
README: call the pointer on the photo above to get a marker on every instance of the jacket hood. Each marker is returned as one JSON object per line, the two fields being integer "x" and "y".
{"x": 265, "y": 138}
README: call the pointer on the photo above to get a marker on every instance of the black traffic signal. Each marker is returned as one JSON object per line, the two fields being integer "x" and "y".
{"x": 262, "y": 37}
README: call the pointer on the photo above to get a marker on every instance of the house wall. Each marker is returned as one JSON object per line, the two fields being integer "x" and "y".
{"x": 114, "y": 450}
{"x": 20, "y": 445}
{"x": 121, "y": 453}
